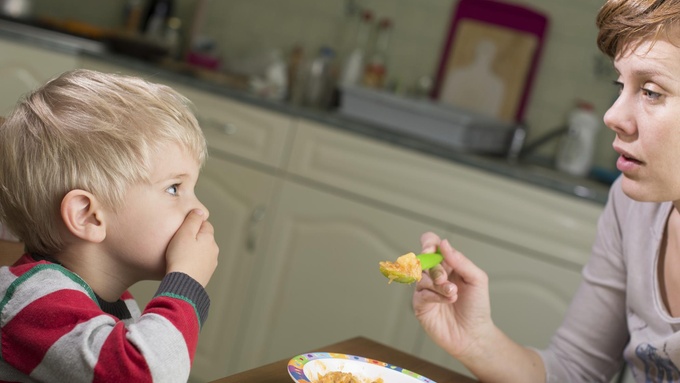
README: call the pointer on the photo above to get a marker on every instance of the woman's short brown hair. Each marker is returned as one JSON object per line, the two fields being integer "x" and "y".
{"x": 623, "y": 24}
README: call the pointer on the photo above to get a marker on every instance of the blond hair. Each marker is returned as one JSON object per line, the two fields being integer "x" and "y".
{"x": 624, "y": 24}
{"x": 85, "y": 130}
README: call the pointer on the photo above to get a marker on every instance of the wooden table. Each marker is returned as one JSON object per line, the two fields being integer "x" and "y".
{"x": 277, "y": 372}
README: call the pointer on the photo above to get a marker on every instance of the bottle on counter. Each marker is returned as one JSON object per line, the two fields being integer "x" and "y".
{"x": 320, "y": 79}
{"x": 375, "y": 70}
{"x": 156, "y": 19}
{"x": 133, "y": 16}
{"x": 354, "y": 65}
{"x": 297, "y": 75}
{"x": 577, "y": 148}
{"x": 173, "y": 38}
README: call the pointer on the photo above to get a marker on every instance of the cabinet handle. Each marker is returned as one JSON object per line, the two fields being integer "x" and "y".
{"x": 228, "y": 129}
{"x": 255, "y": 217}
{"x": 211, "y": 123}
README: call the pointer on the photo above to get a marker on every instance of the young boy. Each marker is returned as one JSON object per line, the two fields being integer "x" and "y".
{"x": 97, "y": 176}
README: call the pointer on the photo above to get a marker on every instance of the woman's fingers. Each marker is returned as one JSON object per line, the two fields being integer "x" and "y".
{"x": 430, "y": 242}
{"x": 447, "y": 278}
{"x": 461, "y": 266}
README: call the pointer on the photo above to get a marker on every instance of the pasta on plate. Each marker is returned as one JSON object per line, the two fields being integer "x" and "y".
{"x": 344, "y": 377}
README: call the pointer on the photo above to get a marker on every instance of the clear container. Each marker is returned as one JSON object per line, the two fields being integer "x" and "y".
{"x": 576, "y": 150}
{"x": 354, "y": 65}
{"x": 320, "y": 79}
{"x": 375, "y": 70}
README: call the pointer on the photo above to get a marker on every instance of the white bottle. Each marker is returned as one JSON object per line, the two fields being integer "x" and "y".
{"x": 354, "y": 66}
{"x": 575, "y": 154}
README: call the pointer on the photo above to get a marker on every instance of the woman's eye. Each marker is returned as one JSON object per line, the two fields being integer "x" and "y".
{"x": 173, "y": 189}
{"x": 619, "y": 85}
{"x": 651, "y": 95}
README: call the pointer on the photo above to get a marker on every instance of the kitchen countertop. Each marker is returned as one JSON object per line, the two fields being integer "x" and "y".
{"x": 227, "y": 86}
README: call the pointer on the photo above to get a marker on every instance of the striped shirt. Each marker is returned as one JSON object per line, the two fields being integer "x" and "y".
{"x": 53, "y": 327}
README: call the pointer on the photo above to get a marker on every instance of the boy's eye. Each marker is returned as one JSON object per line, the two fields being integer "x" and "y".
{"x": 173, "y": 189}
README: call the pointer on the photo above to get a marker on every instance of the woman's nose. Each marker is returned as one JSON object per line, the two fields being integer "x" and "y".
{"x": 619, "y": 116}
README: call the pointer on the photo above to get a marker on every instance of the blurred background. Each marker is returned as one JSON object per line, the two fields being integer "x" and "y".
{"x": 244, "y": 36}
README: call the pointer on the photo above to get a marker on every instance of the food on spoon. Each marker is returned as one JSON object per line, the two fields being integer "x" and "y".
{"x": 406, "y": 269}
{"x": 343, "y": 377}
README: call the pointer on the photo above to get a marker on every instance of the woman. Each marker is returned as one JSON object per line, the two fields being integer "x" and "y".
{"x": 628, "y": 305}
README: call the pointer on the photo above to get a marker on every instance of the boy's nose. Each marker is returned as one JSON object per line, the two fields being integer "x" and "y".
{"x": 200, "y": 206}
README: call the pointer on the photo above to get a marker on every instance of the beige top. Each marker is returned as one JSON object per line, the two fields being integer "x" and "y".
{"x": 618, "y": 313}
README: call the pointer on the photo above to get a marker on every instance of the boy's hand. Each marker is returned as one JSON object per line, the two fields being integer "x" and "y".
{"x": 193, "y": 249}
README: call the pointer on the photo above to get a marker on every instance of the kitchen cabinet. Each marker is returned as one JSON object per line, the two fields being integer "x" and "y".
{"x": 24, "y": 68}
{"x": 238, "y": 185}
{"x": 320, "y": 281}
{"x": 533, "y": 274}
{"x": 238, "y": 199}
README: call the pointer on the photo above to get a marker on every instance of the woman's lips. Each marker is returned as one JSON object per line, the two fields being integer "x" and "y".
{"x": 627, "y": 163}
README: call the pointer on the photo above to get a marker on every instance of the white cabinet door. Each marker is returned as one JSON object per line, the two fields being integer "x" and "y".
{"x": 320, "y": 280}
{"x": 238, "y": 199}
{"x": 510, "y": 211}
{"x": 239, "y": 202}
{"x": 529, "y": 297}
{"x": 24, "y": 68}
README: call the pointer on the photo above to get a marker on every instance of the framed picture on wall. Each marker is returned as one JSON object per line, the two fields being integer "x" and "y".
{"x": 490, "y": 58}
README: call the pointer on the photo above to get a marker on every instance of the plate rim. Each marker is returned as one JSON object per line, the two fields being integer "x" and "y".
{"x": 295, "y": 366}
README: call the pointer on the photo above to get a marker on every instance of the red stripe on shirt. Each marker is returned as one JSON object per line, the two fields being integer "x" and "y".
{"x": 120, "y": 360}
{"x": 29, "y": 335}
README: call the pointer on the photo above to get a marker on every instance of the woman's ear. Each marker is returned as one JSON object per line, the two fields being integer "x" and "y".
{"x": 83, "y": 215}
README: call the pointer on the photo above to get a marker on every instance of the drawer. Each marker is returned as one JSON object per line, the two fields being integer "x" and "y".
{"x": 244, "y": 130}
{"x": 469, "y": 201}
{"x": 233, "y": 127}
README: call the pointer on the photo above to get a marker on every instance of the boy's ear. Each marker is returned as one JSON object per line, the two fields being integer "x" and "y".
{"x": 83, "y": 215}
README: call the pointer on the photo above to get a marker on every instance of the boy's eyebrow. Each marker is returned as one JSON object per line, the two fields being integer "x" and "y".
{"x": 171, "y": 176}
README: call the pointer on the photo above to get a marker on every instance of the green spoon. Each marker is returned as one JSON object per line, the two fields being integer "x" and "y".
{"x": 427, "y": 261}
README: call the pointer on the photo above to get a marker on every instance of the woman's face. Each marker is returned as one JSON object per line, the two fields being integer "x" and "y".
{"x": 646, "y": 120}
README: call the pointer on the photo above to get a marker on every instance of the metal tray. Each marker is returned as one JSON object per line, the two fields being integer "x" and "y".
{"x": 443, "y": 124}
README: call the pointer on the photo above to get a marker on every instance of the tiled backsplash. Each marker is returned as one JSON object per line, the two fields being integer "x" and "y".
{"x": 570, "y": 68}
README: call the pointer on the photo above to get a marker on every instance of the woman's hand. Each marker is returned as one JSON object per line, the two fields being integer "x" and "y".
{"x": 452, "y": 301}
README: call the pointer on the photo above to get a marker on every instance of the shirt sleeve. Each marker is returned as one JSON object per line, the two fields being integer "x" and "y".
{"x": 589, "y": 344}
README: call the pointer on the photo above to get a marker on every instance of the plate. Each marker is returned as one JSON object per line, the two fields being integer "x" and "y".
{"x": 307, "y": 368}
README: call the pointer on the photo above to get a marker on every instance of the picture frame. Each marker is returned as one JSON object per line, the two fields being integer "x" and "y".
{"x": 490, "y": 58}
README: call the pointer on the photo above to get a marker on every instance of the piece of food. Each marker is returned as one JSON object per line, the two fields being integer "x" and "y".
{"x": 406, "y": 269}
{"x": 343, "y": 377}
